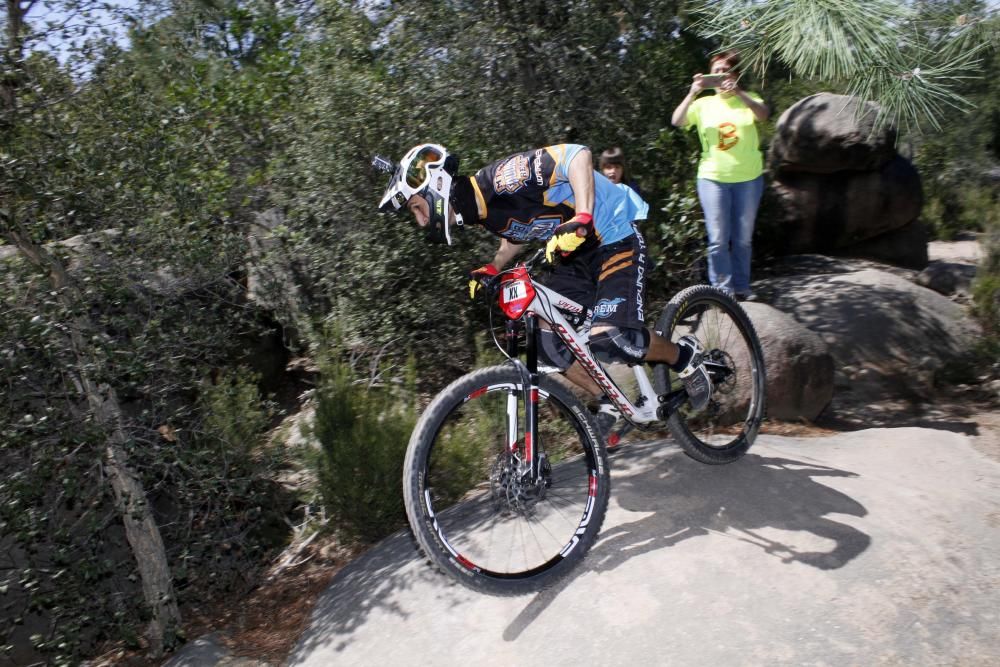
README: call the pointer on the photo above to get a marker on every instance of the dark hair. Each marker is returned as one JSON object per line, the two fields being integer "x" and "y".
{"x": 730, "y": 57}
{"x": 611, "y": 156}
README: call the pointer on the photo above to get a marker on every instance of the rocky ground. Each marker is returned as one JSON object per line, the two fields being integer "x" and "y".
{"x": 968, "y": 406}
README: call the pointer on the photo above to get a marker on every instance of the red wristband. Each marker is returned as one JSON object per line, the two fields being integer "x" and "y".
{"x": 584, "y": 218}
{"x": 488, "y": 269}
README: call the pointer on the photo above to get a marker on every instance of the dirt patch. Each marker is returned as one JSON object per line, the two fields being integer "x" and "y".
{"x": 266, "y": 623}
{"x": 260, "y": 628}
{"x": 801, "y": 429}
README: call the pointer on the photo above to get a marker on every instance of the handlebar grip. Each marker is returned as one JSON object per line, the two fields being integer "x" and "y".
{"x": 383, "y": 165}
{"x": 491, "y": 284}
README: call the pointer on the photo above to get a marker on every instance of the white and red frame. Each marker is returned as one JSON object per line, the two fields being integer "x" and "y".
{"x": 520, "y": 296}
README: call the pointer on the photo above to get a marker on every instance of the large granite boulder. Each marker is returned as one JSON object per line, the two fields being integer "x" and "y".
{"x": 881, "y": 328}
{"x": 826, "y": 133}
{"x": 798, "y": 363}
{"x": 841, "y": 188}
{"x": 826, "y": 212}
{"x": 905, "y": 246}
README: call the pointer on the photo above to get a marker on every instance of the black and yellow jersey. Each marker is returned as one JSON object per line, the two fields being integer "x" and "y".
{"x": 523, "y": 197}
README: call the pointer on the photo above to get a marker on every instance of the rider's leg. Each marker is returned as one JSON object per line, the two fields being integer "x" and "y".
{"x": 638, "y": 345}
{"x": 581, "y": 378}
{"x": 661, "y": 350}
{"x": 619, "y": 329}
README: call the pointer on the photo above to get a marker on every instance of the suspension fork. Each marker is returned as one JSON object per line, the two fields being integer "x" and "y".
{"x": 531, "y": 449}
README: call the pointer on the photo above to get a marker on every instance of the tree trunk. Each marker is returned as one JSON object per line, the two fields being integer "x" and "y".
{"x": 140, "y": 529}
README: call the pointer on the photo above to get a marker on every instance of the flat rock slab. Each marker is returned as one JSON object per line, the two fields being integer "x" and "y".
{"x": 962, "y": 252}
{"x": 872, "y": 547}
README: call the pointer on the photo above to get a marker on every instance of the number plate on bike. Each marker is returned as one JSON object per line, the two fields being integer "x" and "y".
{"x": 513, "y": 291}
{"x": 515, "y": 295}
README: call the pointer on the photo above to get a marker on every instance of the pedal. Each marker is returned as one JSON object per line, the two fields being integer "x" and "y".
{"x": 617, "y": 436}
{"x": 669, "y": 403}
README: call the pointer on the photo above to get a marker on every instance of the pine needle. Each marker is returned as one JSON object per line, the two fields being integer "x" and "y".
{"x": 878, "y": 50}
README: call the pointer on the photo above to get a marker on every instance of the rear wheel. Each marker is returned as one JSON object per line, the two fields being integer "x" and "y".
{"x": 473, "y": 509}
{"x": 725, "y": 429}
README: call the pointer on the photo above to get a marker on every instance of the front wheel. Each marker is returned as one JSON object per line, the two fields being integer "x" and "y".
{"x": 725, "y": 429}
{"x": 474, "y": 508}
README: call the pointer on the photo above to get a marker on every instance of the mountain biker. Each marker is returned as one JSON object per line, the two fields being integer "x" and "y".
{"x": 553, "y": 194}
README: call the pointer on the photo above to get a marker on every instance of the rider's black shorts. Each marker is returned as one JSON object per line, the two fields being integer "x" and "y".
{"x": 611, "y": 279}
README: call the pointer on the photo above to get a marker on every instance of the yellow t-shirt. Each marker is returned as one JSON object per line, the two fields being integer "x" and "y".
{"x": 730, "y": 147}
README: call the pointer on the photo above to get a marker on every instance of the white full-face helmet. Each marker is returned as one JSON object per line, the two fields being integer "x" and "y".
{"x": 426, "y": 170}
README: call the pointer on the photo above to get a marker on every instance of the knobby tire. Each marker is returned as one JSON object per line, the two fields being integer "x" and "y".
{"x": 469, "y": 514}
{"x": 723, "y": 432}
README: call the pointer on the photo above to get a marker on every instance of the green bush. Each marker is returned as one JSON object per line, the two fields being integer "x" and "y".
{"x": 957, "y": 208}
{"x": 363, "y": 431}
{"x": 986, "y": 287}
{"x": 235, "y": 414}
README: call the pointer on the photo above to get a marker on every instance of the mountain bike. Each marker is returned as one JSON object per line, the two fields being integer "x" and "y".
{"x": 506, "y": 478}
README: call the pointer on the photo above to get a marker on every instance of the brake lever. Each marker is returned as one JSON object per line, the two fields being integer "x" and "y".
{"x": 539, "y": 256}
{"x": 491, "y": 285}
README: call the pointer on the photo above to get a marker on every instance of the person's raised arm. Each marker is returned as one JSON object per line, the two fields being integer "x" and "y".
{"x": 581, "y": 179}
{"x": 679, "y": 117}
{"x": 759, "y": 109}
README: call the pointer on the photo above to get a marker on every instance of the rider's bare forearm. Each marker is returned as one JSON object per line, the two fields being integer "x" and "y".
{"x": 506, "y": 253}
{"x": 581, "y": 179}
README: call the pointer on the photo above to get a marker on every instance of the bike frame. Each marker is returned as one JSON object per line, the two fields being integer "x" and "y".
{"x": 520, "y": 297}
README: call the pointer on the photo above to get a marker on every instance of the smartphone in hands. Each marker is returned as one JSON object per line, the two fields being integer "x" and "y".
{"x": 712, "y": 80}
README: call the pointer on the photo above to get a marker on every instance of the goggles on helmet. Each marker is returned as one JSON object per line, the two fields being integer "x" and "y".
{"x": 426, "y": 170}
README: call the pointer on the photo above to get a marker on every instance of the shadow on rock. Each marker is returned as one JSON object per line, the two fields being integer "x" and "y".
{"x": 367, "y": 583}
{"x": 689, "y": 500}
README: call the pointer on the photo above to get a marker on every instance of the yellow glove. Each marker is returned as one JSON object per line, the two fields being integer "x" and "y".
{"x": 569, "y": 236}
{"x": 476, "y": 278}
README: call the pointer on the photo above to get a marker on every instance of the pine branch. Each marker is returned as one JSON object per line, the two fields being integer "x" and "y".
{"x": 879, "y": 51}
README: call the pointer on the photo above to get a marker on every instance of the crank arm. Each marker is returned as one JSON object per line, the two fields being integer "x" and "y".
{"x": 669, "y": 403}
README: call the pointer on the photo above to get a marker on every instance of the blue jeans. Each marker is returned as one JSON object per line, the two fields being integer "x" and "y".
{"x": 730, "y": 211}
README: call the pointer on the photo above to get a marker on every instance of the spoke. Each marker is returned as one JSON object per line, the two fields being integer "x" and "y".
{"x": 496, "y": 524}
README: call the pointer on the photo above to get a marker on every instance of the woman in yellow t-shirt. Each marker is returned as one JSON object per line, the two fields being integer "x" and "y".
{"x": 730, "y": 181}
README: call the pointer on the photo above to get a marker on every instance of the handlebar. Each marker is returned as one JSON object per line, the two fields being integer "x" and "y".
{"x": 491, "y": 284}
{"x": 538, "y": 256}
{"x": 383, "y": 165}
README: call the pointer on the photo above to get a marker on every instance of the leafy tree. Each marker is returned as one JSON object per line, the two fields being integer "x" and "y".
{"x": 107, "y": 340}
{"x": 23, "y": 227}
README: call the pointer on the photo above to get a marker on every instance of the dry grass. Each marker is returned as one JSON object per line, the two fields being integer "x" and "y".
{"x": 266, "y": 624}
{"x": 262, "y": 627}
